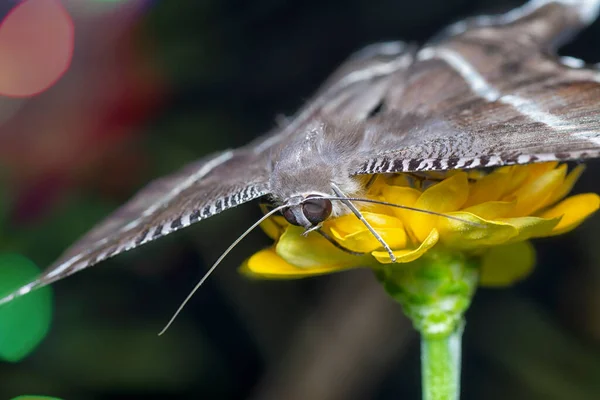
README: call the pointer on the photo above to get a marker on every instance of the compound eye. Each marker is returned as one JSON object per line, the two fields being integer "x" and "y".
{"x": 290, "y": 217}
{"x": 316, "y": 209}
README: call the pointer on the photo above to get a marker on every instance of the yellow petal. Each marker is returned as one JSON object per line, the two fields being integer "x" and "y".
{"x": 476, "y": 174}
{"x": 473, "y": 232}
{"x": 446, "y": 196}
{"x": 518, "y": 175}
{"x": 530, "y": 227}
{"x": 364, "y": 242}
{"x": 377, "y": 183}
{"x": 573, "y": 211}
{"x": 267, "y": 264}
{"x": 567, "y": 185}
{"x": 397, "y": 180}
{"x": 405, "y": 196}
{"x": 348, "y": 223}
{"x": 404, "y": 256}
{"x": 492, "y": 209}
{"x": 534, "y": 193}
{"x": 536, "y": 170}
{"x": 312, "y": 251}
{"x": 504, "y": 265}
{"x": 353, "y": 235}
{"x": 274, "y": 226}
{"x": 402, "y": 195}
{"x": 489, "y": 188}
{"x": 379, "y": 186}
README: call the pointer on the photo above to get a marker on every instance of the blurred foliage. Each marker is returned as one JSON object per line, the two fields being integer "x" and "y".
{"x": 155, "y": 84}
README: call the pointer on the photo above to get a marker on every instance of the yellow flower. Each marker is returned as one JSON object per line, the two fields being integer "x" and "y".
{"x": 495, "y": 216}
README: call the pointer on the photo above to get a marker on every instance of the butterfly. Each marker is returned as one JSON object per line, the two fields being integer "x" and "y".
{"x": 486, "y": 92}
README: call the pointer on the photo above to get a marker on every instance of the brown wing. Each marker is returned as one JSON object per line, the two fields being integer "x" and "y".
{"x": 223, "y": 180}
{"x": 492, "y": 93}
{"x": 200, "y": 190}
{"x": 486, "y": 96}
{"x": 353, "y": 91}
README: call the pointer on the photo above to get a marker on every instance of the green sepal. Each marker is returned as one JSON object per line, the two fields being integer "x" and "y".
{"x": 434, "y": 291}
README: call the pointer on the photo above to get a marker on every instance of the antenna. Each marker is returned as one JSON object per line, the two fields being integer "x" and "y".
{"x": 421, "y": 210}
{"x": 340, "y": 197}
{"x": 214, "y": 266}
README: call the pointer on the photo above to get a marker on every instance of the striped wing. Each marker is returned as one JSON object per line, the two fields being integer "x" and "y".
{"x": 198, "y": 191}
{"x": 486, "y": 94}
{"x": 218, "y": 182}
{"x": 491, "y": 93}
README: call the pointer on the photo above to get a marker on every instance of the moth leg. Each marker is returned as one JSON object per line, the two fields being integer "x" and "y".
{"x": 339, "y": 246}
{"x": 421, "y": 180}
{"x": 371, "y": 181}
{"x": 265, "y": 207}
{"x": 356, "y": 212}
{"x": 424, "y": 180}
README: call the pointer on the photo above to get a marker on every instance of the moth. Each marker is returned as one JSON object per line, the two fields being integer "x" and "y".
{"x": 486, "y": 92}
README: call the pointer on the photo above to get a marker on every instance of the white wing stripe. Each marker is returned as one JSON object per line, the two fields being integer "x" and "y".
{"x": 482, "y": 88}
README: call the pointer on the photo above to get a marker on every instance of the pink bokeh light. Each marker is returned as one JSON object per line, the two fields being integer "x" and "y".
{"x": 36, "y": 47}
{"x": 84, "y": 130}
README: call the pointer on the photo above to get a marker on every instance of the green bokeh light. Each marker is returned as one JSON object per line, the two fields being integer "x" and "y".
{"x": 24, "y": 322}
{"x": 31, "y": 397}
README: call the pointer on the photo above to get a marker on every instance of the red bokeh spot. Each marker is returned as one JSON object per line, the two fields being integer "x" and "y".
{"x": 36, "y": 47}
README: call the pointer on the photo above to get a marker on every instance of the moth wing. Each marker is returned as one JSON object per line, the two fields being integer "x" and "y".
{"x": 490, "y": 93}
{"x": 221, "y": 181}
{"x": 354, "y": 90}
{"x": 200, "y": 190}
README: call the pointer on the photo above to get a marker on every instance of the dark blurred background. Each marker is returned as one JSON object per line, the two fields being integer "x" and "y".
{"x": 156, "y": 84}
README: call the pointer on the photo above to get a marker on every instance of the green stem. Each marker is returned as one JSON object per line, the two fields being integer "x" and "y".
{"x": 440, "y": 366}
{"x": 435, "y": 291}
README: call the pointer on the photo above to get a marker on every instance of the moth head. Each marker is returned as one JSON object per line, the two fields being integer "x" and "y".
{"x": 308, "y": 211}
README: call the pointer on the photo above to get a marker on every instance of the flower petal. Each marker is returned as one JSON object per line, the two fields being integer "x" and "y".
{"x": 405, "y": 256}
{"x": 567, "y": 185}
{"x": 267, "y": 264}
{"x": 535, "y": 192}
{"x": 348, "y": 223}
{"x": 530, "y": 227}
{"x": 353, "y": 235}
{"x": 382, "y": 182}
{"x": 401, "y": 195}
{"x": 364, "y": 241}
{"x": 446, "y": 196}
{"x": 404, "y": 196}
{"x": 535, "y": 170}
{"x": 474, "y": 232}
{"x": 312, "y": 251}
{"x": 398, "y": 180}
{"x": 573, "y": 211}
{"x": 490, "y": 187}
{"x": 274, "y": 226}
{"x": 504, "y": 265}
{"x": 492, "y": 209}
{"x": 519, "y": 174}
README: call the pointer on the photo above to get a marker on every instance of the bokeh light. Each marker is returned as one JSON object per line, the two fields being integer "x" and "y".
{"x": 36, "y": 47}
{"x": 153, "y": 85}
{"x": 25, "y": 321}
